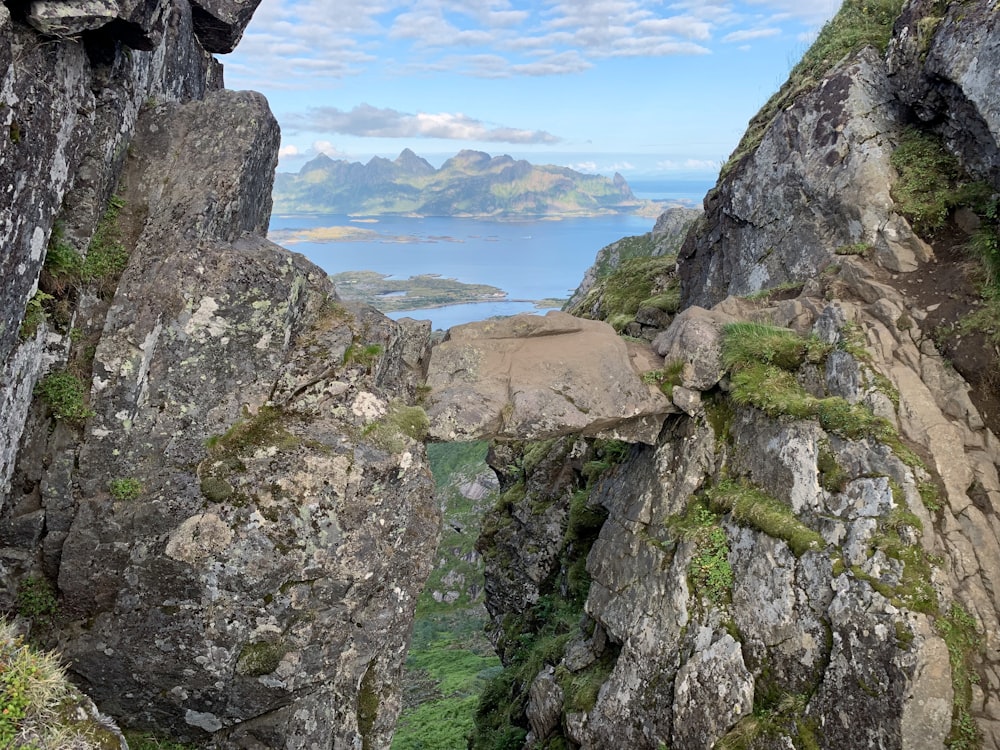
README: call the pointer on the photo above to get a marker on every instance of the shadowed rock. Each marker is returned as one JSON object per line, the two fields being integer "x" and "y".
{"x": 532, "y": 377}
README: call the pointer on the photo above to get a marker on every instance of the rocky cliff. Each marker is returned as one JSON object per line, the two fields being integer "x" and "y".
{"x": 807, "y": 557}
{"x": 216, "y": 501}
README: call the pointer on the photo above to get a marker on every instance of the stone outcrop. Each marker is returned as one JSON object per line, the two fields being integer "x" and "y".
{"x": 816, "y": 158}
{"x": 227, "y": 523}
{"x": 531, "y": 378}
{"x": 666, "y": 238}
{"x": 771, "y": 574}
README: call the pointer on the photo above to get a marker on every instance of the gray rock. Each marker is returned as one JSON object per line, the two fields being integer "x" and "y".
{"x": 545, "y": 700}
{"x": 531, "y": 378}
{"x": 279, "y": 611}
{"x": 695, "y": 338}
{"x": 61, "y": 18}
{"x": 219, "y": 24}
{"x": 819, "y": 179}
{"x": 714, "y": 676}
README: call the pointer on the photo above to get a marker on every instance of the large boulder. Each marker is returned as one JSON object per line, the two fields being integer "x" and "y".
{"x": 531, "y": 377}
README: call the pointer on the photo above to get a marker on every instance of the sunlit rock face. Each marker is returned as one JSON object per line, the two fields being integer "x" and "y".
{"x": 237, "y": 521}
{"x": 531, "y": 378}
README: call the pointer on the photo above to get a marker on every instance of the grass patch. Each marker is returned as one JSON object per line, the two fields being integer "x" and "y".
{"x": 764, "y": 295}
{"x": 751, "y": 507}
{"x": 66, "y": 397}
{"x": 630, "y": 286}
{"x": 709, "y": 573}
{"x": 960, "y": 632}
{"x": 744, "y": 344}
{"x": 125, "y": 488}
{"x": 36, "y": 599}
{"x": 365, "y": 355}
{"x": 858, "y": 23}
{"x": 265, "y": 428}
{"x": 400, "y": 422}
{"x": 106, "y": 255}
{"x": 863, "y": 249}
{"x": 832, "y": 476}
{"x": 260, "y": 658}
{"x": 34, "y": 314}
{"x": 32, "y": 687}
{"x": 666, "y": 378}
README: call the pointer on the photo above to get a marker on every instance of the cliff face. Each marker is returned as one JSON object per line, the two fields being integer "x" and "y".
{"x": 215, "y": 488}
{"x": 808, "y": 556}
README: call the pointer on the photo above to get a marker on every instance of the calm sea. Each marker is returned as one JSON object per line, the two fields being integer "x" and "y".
{"x": 530, "y": 260}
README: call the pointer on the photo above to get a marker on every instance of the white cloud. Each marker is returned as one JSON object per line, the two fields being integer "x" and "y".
{"x": 744, "y": 35}
{"x": 806, "y": 11}
{"x": 689, "y": 165}
{"x": 374, "y": 122}
{"x": 288, "y": 151}
{"x": 325, "y": 147}
{"x": 300, "y": 43}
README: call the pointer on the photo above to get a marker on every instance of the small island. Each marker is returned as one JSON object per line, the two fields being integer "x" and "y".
{"x": 415, "y": 293}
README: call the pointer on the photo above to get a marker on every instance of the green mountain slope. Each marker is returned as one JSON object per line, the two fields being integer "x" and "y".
{"x": 472, "y": 183}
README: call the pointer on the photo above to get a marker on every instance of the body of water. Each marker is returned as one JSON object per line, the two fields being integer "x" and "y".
{"x": 530, "y": 260}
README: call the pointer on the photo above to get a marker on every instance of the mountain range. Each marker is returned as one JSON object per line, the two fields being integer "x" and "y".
{"x": 472, "y": 183}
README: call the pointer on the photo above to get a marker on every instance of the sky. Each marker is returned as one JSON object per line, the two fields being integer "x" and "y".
{"x": 652, "y": 89}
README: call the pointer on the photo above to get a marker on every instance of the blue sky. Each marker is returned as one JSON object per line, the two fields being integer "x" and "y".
{"x": 650, "y": 88}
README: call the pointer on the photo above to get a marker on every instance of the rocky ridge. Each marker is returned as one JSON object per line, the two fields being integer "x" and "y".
{"x": 216, "y": 499}
{"x": 807, "y": 556}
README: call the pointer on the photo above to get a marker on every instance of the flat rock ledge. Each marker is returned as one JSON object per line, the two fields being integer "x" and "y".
{"x": 534, "y": 377}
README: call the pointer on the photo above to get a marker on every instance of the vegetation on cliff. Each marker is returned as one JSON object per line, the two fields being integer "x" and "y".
{"x": 857, "y": 24}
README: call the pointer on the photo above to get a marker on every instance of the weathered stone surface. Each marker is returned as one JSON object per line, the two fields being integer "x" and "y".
{"x": 275, "y": 613}
{"x": 715, "y": 675}
{"x": 545, "y": 699}
{"x": 819, "y": 179}
{"x": 532, "y": 377}
{"x": 943, "y": 60}
{"x": 61, "y": 18}
{"x": 219, "y": 24}
{"x": 69, "y": 120}
{"x": 695, "y": 338}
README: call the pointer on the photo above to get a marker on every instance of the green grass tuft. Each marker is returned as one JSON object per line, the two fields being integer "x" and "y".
{"x": 744, "y": 344}
{"x": 751, "y": 507}
{"x": 125, "y": 488}
{"x": 66, "y": 397}
{"x": 962, "y": 636}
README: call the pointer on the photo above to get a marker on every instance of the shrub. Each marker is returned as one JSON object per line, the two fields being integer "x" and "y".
{"x": 125, "y": 488}
{"x": 35, "y": 599}
{"x": 65, "y": 395}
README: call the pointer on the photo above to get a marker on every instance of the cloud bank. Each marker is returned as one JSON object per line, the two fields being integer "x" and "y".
{"x": 374, "y": 122}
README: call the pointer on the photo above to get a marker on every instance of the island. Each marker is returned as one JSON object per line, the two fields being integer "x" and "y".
{"x": 418, "y": 292}
{"x": 469, "y": 184}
